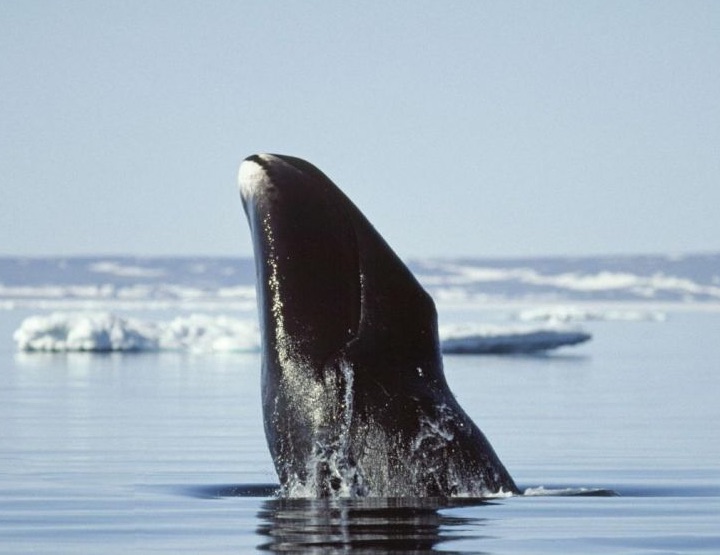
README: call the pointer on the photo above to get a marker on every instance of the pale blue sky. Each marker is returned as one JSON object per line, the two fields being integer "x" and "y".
{"x": 459, "y": 128}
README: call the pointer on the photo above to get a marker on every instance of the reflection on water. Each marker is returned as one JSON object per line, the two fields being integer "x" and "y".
{"x": 367, "y": 525}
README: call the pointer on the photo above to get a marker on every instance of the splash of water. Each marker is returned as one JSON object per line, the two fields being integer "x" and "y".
{"x": 331, "y": 469}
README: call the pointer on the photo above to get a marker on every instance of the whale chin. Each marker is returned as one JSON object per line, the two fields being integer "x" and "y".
{"x": 355, "y": 400}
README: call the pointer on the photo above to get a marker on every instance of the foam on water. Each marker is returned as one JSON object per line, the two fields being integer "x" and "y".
{"x": 330, "y": 470}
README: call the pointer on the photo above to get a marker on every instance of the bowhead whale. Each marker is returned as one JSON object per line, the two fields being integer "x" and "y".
{"x": 354, "y": 397}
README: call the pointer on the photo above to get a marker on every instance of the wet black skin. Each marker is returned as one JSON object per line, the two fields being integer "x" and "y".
{"x": 333, "y": 296}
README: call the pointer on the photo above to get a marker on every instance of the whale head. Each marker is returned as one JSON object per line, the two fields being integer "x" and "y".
{"x": 325, "y": 277}
{"x": 354, "y": 395}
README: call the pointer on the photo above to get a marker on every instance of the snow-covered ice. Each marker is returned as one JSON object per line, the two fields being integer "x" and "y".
{"x": 474, "y": 339}
{"x": 575, "y": 290}
{"x": 105, "y": 331}
{"x": 98, "y": 331}
{"x": 577, "y": 314}
{"x": 198, "y": 283}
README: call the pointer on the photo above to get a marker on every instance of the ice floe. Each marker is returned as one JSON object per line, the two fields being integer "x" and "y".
{"x": 576, "y": 314}
{"x": 474, "y": 339}
{"x": 105, "y": 332}
{"x": 198, "y": 283}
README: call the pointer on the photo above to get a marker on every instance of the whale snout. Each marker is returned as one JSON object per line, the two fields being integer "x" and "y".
{"x": 254, "y": 176}
{"x": 306, "y": 253}
{"x": 273, "y": 179}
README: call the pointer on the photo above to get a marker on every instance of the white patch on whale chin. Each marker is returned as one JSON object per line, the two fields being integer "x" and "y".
{"x": 252, "y": 177}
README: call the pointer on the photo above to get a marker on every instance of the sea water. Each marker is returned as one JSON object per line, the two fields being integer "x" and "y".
{"x": 165, "y": 452}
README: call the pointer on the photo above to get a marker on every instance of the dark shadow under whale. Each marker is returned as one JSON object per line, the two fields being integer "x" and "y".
{"x": 354, "y": 396}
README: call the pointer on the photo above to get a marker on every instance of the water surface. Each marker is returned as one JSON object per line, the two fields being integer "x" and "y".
{"x": 165, "y": 452}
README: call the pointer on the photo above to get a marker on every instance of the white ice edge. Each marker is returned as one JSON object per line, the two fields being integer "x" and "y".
{"x": 105, "y": 332}
{"x": 455, "y": 274}
{"x": 564, "y": 313}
